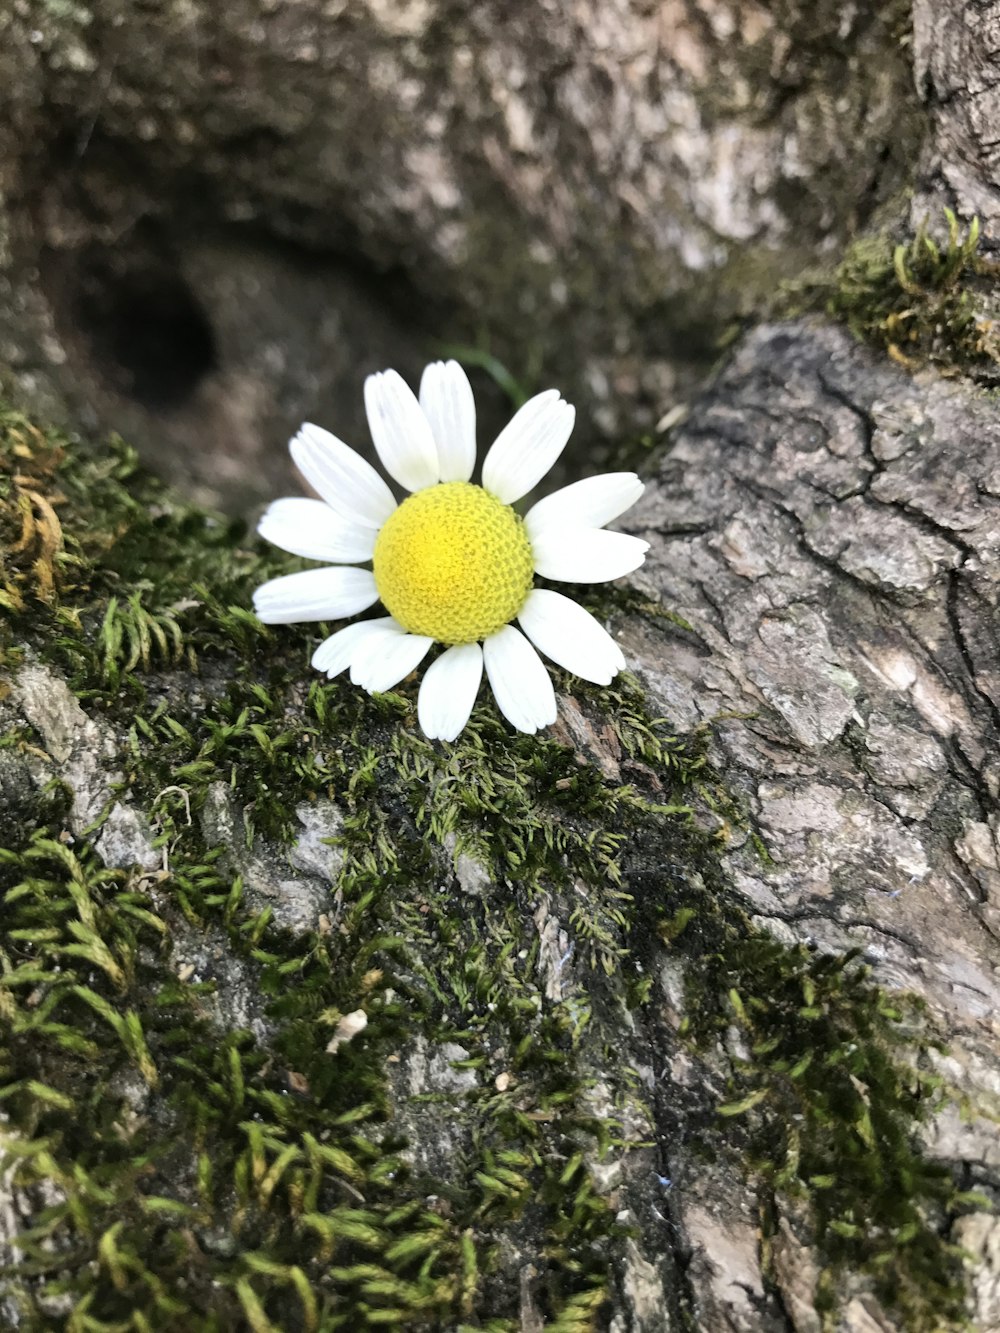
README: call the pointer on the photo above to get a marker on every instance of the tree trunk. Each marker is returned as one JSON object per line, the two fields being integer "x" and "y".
{"x": 829, "y": 528}
{"x": 216, "y": 218}
{"x": 308, "y": 1023}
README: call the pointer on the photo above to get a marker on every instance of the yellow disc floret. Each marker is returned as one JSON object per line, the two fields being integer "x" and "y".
{"x": 454, "y": 563}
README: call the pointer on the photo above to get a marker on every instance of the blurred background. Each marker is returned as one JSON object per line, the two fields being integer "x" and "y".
{"x": 216, "y": 219}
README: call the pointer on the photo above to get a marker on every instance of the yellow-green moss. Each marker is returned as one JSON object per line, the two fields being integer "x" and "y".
{"x": 924, "y": 301}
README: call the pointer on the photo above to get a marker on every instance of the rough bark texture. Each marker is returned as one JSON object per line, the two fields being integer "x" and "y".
{"x": 956, "y": 59}
{"x": 831, "y": 529}
{"x": 215, "y": 219}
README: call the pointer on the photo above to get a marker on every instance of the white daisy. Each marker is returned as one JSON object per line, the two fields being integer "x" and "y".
{"x": 453, "y": 563}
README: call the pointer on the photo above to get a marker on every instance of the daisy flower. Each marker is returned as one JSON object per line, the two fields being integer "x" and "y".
{"x": 453, "y": 563}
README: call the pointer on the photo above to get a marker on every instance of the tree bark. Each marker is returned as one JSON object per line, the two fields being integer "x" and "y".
{"x": 282, "y": 185}
{"x": 955, "y": 58}
{"x": 829, "y": 527}
{"x": 295, "y": 194}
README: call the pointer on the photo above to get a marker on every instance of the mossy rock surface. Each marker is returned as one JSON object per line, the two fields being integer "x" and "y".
{"x": 312, "y": 1024}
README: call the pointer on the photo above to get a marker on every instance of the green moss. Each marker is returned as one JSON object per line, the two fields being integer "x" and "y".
{"x": 195, "y": 1155}
{"x": 921, "y": 300}
{"x": 830, "y": 1080}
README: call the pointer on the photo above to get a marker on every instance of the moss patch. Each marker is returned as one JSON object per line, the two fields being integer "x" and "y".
{"x": 828, "y": 1069}
{"x": 923, "y": 300}
{"x": 190, "y": 1151}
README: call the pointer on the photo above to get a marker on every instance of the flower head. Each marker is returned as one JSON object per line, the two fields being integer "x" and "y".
{"x": 453, "y": 563}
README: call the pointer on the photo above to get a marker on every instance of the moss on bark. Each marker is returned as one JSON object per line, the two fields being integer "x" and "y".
{"x": 923, "y": 298}
{"x": 199, "y": 1132}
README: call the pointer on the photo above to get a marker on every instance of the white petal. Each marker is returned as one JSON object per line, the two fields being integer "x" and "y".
{"x": 381, "y": 633}
{"x": 571, "y": 636}
{"x": 528, "y": 446}
{"x": 401, "y": 432}
{"x": 588, "y": 556}
{"x": 335, "y": 653}
{"x": 347, "y": 482}
{"x": 585, "y": 504}
{"x": 382, "y": 660}
{"x": 447, "y": 403}
{"x": 522, "y": 687}
{"x": 312, "y": 529}
{"x": 318, "y": 594}
{"x": 448, "y": 691}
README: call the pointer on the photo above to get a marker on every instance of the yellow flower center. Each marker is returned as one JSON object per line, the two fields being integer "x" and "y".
{"x": 454, "y": 563}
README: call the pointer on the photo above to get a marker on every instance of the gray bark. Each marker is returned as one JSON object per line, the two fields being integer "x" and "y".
{"x": 956, "y": 53}
{"x": 592, "y": 192}
{"x": 830, "y": 528}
